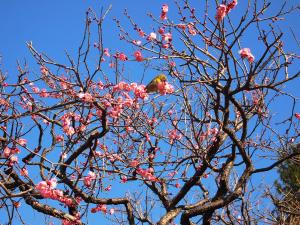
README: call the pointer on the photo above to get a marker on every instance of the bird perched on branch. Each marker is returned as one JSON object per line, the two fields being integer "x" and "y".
{"x": 153, "y": 85}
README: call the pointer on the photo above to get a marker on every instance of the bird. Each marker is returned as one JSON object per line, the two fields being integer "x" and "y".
{"x": 153, "y": 85}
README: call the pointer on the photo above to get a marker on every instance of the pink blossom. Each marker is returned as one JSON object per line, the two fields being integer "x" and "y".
{"x": 165, "y": 46}
{"x": 44, "y": 93}
{"x": 64, "y": 155}
{"x": 86, "y": 97}
{"x": 111, "y": 211}
{"x": 92, "y": 174}
{"x": 69, "y": 131}
{"x": 205, "y": 175}
{"x": 35, "y": 89}
{"x": 161, "y": 30}
{"x": 231, "y": 5}
{"x": 165, "y": 88}
{"x": 17, "y": 204}
{"x": 128, "y": 101}
{"x": 24, "y": 172}
{"x": 112, "y": 65}
{"x": 172, "y": 174}
{"x": 147, "y": 137}
{"x": 137, "y": 42}
{"x": 123, "y": 179}
{"x": 121, "y": 56}
{"x": 13, "y": 159}
{"x": 165, "y": 8}
{"x": 152, "y": 36}
{"x": 16, "y": 150}
{"x": 213, "y": 131}
{"x": 134, "y": 163}
{"x": 88, "y": 179}
{"x": 59, "y": 138}
{"x": 297, "y": 115}
{"x": 52, "y": 183}
{"x": 246, "y": 53}
{"x": 103, "y": 208}
{"x": 221, "y": 12}
{"x": 99, "y": 207}
{"x": 6, "y": 152}
{"x": 172, "y": 64}
{"x": 138, "y": 56}
{"x": 115, "y": 112}
{"x": 173, "y": 135}
{"x": 100, "y": 85}
{"x": 108, "y": 188}
{"x": 22, "y": 142}
{"x": 106, "y": 52}
{"x": 163, "y": 16}
{"x": 140, "y": 92}
{"x": 147, "y": 174}
{"x": 181, "y": 26}
{"x": 44, "y": 70}
{"x": 167, "y": 37}
{"x": 191, "y": 29}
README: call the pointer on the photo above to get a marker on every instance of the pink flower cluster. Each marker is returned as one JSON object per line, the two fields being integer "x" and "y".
{"x": 22, "y": 142}
{"x": 173, "y": 135}
{"x": 66, "y": 124}
{"x": 246, "y": 53}
{"x": 47, "y": 190}
{"x": 9, "y": 153}
{"x": 167, "y": 38}
{"x": 123, "y": 179}
{"x": 152, "y": 36}
{"x": 138, "y": 90}
{"x": 121, "y": 56}
{"x": 44, "y": 70}
{"x": 59, "y": 138}
{"x": 256, "y": 97}
{"x": 165, "y": 88}
{"x": 138, "y": 56}
{"x": 209, "y": 134}
{"x": 191, "y": 29}
{"x": 86, "y": 97}
{"x": 164, "y": 10}
{"x": 89, "y": 178}
{"x": 297, "y": 115}
{"x": 24, "y": 172}
{"x": 147, "y": 174}
{"x": 223, "y": 10}
{"x": 134, "y": 163}
{"x": 106, "y": 52}
{"x": 102, "y": 208}
{"x": 117, "y": 105}
{"x": 4, "y": 103}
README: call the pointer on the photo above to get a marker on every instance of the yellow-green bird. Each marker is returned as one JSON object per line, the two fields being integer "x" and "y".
{"x": 152, "y": 86}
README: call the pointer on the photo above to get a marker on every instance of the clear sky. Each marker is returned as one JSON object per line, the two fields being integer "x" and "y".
{"x": 57, "y": 25}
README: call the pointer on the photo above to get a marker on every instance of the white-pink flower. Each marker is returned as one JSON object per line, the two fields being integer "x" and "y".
{"x": 152, "y": 36}
{"x": 246, "y": 53}
{"x": 165, "y": 88}
{"x": 22, "y": 142}
{"x": 221, "y": 12}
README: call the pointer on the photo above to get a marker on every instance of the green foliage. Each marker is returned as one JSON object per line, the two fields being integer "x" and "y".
{"x": 288, "y": 187}
{"x": 289, "y": 172}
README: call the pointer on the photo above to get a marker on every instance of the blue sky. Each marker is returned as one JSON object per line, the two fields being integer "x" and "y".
{"x": 56, "y": 25}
